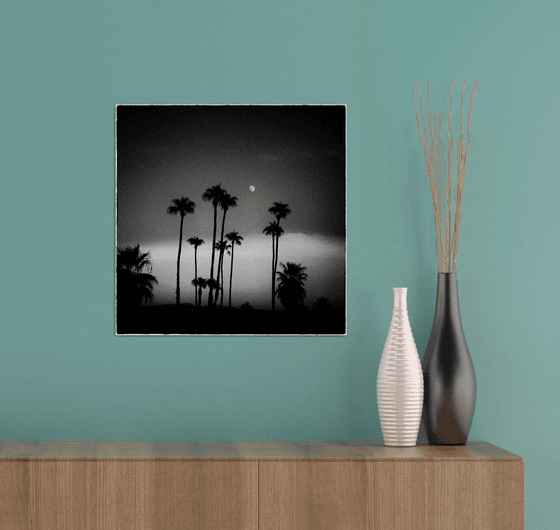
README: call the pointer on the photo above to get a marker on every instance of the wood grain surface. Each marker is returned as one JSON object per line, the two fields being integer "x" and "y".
{"x": 461, "y": 495}
{"x": 259, "y": 486}
{"x": 244, "y": 451}
{"x": 117, "y": 495}
{"x": 313, "y": 495}
{"x": 391, "y": 495}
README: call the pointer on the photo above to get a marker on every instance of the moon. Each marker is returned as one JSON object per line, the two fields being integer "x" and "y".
{"x": 252, "y": 188}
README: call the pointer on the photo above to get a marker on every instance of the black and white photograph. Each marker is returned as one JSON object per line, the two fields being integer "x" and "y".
{"x": 230, "y": 219}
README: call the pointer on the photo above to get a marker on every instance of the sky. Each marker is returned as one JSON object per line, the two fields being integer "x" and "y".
{"x": 289, "y": 154}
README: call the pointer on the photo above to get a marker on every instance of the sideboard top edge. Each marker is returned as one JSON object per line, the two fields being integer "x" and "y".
{"x": 247, "y": 451}
{"x": 257, "y": 459}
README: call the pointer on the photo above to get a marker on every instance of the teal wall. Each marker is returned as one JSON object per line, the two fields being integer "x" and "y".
{"x": 64, "y": 375}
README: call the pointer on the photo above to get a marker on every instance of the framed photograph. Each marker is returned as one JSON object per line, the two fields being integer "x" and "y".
{"x": 230, "y": 220}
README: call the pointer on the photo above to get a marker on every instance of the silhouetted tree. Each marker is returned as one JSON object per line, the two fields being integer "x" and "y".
{"x": 280, "y": 211}
{"x": 221, "y": 247}
{"x": 275, "y": 231}
{"x": 195, "y": 242}
{"x": 134, "y": 286}
{"x": 214, "y": 285}
{"x": 227, "y": 201}
{"x": 181, "y": 206}
{"x": 246, "y": 307}
{"x": 290, "y": 290}
{"x": 146, "y": 294}
{"x": 322, "y": 304}
{"x": 200, "y": 283}
{"x": 235, "y": 239}
{"x": 213, "y": 194}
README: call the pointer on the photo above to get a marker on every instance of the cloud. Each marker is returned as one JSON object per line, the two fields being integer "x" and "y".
{"x": 324, "y": 257}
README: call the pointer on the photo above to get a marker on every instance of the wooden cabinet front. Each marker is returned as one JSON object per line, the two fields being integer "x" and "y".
{"x": 259, "y": 486}
{"x": 481, "y": 495}
{"x": 314, "y": 495}
{"x": 140, "y": 495}
{"x": 389, "y": 495}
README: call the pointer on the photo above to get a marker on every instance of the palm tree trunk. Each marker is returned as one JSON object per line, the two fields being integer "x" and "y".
{"x": 219, "y": 279}
{"x": 215, "y": 300}
{"x": 195, "y": 275}
{"x": 213, "y": 254}
{"x": 231, "y": 272}
{"x": 178, "y": 291}
{"x": 222, "y": 282}
{"x": 277, "y": 242}
{"x": 276, "y": 260}
{"x": 276, "y": 263}
{"x": 222, "y": 256}
{"x": 273, "y": 274}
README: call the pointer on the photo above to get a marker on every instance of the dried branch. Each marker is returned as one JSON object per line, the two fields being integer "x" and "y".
{"x": 429, "y": 155}
{"x": 441, "y": 178}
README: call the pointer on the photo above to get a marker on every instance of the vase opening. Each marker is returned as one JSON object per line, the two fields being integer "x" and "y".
{"x": 399, "y": 297}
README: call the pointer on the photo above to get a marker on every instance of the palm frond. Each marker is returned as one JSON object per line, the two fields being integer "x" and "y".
{"x": 227, "y": 201}
{"x": 279, "y": 210}
{"x": 183, "y": 206}
{"x": 195, "y": 241}
{"x": 235, "y": 238}
{"x": 214, "y": 194}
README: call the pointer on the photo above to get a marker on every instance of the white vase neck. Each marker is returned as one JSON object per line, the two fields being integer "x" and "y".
{"x": 399, "y": 297}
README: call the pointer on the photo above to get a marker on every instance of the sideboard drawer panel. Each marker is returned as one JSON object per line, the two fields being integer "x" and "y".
{"x": 389, "y": 495}
{"x": 482, "y": 495}
{"x": 427, "y": 495}
{"x": 113, "y": 495}
{"x": 313, "y": 495}
{"x": 14, "y": 495}
{"x": 509, "y": 495}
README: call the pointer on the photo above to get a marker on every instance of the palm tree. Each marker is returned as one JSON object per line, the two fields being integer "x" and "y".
{"x": 195, "y": 242}
{"x": 146, "y": 294}
{"x": 133, "y": 284}
{"x": 290, "y": 289}
{"x": 227, "y": 248}
{"x": 214, "y": 285}
{"x": 132, "y": 260}
{"x": 201, "y": 283}
{"x": 181, "y": 206}
{"x": 227, "y": 201}
{"x": 213, "y": 194}
{"x": 235, "y": 239}
{"x": 221, "y": 246}
{"x": 194, "y": 282}
{"x": 274, "y": 230}
{"x": 280, "y": 211}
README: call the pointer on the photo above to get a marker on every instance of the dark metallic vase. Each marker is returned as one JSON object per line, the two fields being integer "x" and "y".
{"x": 448, "y": 371}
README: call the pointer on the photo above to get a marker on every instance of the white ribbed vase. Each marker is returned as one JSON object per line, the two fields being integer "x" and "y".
{"x": 400, "y": 384}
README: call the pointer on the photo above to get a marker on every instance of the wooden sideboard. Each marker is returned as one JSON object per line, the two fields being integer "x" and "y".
{"x": 259, "y": 486}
